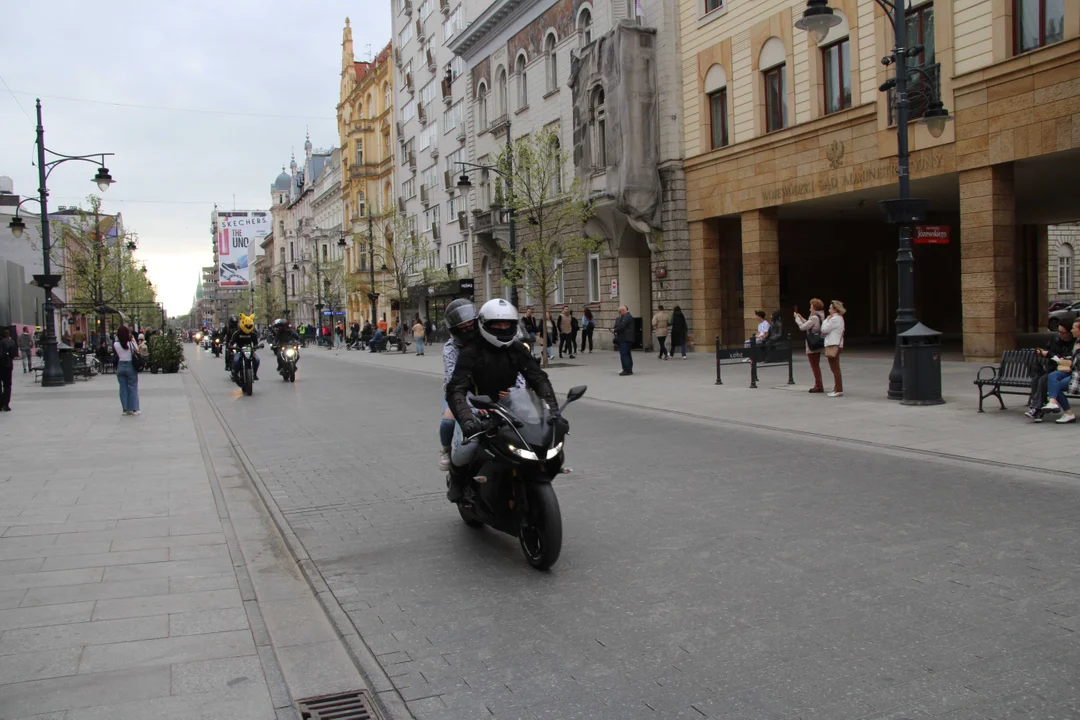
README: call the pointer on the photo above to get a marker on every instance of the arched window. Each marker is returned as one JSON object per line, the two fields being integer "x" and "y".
{"x": 370, "y": 106}
{"x": 556, "y": 160}
{"x": 485, "y": 268}
{"x": 386, "y": 95}
{"x": 584, "y": 26}
{"x": 481, "y": 107}
{"x": 551, "y": 60}
{"x": 523, "y": 85}
{"x": 772, "y": 63}
{"x": 599, "y": 121}
{"x": 716, "y": 91}
{"x": 502, "y": 92}
{"x": 1065, "y": 268}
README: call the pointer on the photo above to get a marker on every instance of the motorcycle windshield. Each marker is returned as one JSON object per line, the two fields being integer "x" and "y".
{"x": 524, "y": 405}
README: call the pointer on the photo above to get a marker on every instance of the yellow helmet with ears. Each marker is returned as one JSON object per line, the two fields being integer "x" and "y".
{"x": 247, "y": 323}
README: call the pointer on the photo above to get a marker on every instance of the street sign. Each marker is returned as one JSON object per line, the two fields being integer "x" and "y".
{"x": 614, "y": 288}
{"x": 931, "y": 234}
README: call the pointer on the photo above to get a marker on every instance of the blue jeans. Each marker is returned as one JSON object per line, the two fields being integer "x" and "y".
{"x": 1056, "y": 386}
{"x": 681, "y": 347}
{"x": 129, "y": 386}
{"x": 625, "y": 357}
{"x": 446, "y": 428}
{"x": 419, "y": 346}
{"x": 238, "y": 357}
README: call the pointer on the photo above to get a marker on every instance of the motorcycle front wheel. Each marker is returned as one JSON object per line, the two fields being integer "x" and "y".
{"x": 540, "y": 533}
{"x": 468, "y": 517}
{"x": 247, "y": 381}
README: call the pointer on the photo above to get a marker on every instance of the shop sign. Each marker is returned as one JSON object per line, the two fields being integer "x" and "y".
{"x": 661, "y": 272}
{"x": 465, "y": 286}
{"x": 614, "y": 288}
{"x": 931, "y": 234}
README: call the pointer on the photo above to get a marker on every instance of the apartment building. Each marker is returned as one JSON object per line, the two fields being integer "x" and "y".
{"x": 603, "y": 75}
{"x": 791, "y": 145}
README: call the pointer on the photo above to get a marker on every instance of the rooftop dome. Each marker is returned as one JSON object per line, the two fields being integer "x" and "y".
{"x": 282, "y": 182}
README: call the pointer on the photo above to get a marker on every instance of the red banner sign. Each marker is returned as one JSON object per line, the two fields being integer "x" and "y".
{"x": 931, "y": 234}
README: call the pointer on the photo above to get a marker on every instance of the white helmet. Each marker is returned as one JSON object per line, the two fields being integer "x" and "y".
{"x": 501, "y": 312}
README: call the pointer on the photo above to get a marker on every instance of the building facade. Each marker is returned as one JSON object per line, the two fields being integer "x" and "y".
{"x": 603, "y": 76}
{"x": 1062, "y": 272}
{"x": 365, "y": 115}
{"x": 791, "y": 146}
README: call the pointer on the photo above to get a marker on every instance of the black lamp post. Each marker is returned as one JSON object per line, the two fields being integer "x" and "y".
{"x": 373, "y": 297}
{"x": 905, "y": 210}
{"x": 53, "y": 374}
{"x": 285, "y": 284}
{"x": 464, "y": 184}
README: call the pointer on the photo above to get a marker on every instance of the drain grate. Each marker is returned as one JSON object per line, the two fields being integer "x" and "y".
{"x": 342, "y": 706}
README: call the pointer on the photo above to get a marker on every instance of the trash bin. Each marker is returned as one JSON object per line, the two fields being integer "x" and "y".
{"x": 67, "y": 362}
{"x": 920, "y": 361}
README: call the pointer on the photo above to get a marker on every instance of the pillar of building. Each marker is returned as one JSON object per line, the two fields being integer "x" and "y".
{"x": 761, "y": 265}
{"x": 672, "y": 286}
{"x": 705, "y": 284}
{"x": 987, "y": 254}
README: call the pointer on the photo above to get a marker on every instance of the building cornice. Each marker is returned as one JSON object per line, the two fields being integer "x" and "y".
{"x": 495, "y": 18}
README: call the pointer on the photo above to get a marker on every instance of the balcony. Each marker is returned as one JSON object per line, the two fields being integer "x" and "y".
{"x": 365, "y": 170}
{"x": 499, "y": 124}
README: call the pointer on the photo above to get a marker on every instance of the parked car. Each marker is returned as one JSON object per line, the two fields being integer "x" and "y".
{"x": 1060, "y": 305}
{"x": 1065, "y": 315}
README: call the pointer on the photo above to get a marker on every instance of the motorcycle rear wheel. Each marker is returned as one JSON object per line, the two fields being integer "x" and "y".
{"x": 540, "y": 534}
{"x": 468, "y": 517}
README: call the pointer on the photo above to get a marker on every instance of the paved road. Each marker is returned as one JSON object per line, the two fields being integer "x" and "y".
{"x": 706, "y": 571}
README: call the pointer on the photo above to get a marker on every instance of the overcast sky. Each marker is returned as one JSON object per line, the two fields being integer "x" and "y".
{"x": 265, "y": 58}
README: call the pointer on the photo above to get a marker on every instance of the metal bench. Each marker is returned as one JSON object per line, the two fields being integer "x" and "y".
{"x": 1012, "y": 376}
{"x": 774, "y": 353}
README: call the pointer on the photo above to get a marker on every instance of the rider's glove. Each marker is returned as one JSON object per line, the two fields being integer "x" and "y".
{"x": 471, "y": 427}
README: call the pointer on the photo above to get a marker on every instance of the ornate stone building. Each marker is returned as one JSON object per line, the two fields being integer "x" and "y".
{"x": 791, "y": 146}
{"x": 365, "y": 115}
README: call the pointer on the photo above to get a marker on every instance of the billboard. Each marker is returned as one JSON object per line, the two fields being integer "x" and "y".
{"x": 237, "y": 230}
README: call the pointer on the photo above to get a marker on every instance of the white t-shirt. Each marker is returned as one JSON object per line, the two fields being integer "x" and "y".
{"x": 763, "y": 328}
{"x": 123, "y": 353}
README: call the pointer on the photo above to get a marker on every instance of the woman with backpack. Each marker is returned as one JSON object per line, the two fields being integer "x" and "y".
{"x": 815, "y": 341}
{"x": 128, "y": 358}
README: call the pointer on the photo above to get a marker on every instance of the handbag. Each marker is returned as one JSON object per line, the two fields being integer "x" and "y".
{"x": 815, "y": 340}
{"x": 832, "y": 351}
{"x": 137, "y": 360}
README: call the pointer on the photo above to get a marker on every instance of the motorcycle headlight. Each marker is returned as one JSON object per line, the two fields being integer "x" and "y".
{"x": 522, "y": 452}
{"x": 290, "y": 353}
{"x": 554, "y": 452}
{"x": 247, "y": 351}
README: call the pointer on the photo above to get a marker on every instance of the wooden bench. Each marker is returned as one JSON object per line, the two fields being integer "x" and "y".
{"x": 1012, "y": 376}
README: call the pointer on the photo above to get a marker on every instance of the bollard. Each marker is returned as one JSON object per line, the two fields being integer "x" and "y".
{"x": 718, "y": 380}
{"x": 753, "y": 362}
{"x": 790, "y": 364}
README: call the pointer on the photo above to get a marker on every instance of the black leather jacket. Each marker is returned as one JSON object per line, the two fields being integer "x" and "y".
{"x": 285, "y": 336}
{"x": 486, "y": 370}
{"x": 240, "y": 339}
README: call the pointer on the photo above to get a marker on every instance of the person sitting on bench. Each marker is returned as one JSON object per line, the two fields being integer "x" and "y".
{"x": 1060, "y": 346}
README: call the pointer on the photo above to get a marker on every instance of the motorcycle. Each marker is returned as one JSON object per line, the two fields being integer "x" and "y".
{"x": 287, "y": 366}
{"x": 245, "y": 378}
{"x": 217, "y": 347}
{"x": 520, "y": 453}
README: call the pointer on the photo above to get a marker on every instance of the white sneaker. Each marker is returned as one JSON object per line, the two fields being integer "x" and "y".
{"x": 444, "y": 459}
{"x": 1066, "y": 419}
{"x": 836, "y": 394}
{"x": 1051, "y": 407}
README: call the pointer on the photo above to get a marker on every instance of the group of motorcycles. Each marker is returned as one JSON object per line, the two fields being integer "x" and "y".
{"x": 245, "y": 377}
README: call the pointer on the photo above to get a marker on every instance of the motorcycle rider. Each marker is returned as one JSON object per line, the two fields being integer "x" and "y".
{"x": 228, "y": 332}
{"x": 489, "y": 366}
{"x": 283, "y": 334}
{"x": 244, "y": 335}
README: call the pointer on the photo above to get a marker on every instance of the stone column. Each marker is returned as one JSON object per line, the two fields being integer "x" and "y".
{"x": 673, "y": 251}
{"x": 761, "y": 265}
{"x": 705, "y": 307}
{"x": 987, "y": 253}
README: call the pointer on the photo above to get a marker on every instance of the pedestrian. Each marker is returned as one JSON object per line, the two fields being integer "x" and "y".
{"x": 126, "y": 376}
{"x": 8, "y": 351}
{"x": 144, "y": 350}
{"x": 574, "y": 327}
{"x": 551, "y": 333}
{"x": 26, "y": 349}
{"x": 1064, "y": 380}
{"x": 1060, "y": 346}
{"x": 529, "y": 323}
{"x": 679, "y": 331}
{"x": 624, "y": 336}
{"x": 833, "y": 330}
{"x": 78, "y": 339}
{"x": 660, "y": 322}
{"x": 815, "y": 340}
{"x": 587, "y": 327}
{"x": 418, "y": 335}
{"x": 566, "y": 326}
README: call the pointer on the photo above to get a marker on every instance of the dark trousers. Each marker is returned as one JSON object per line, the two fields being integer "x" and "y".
{"x": 814, "y": 358}
{"x": 662, "y": 341}
{"x": 566, "y": 343}
{"x": 586, "y": 337}
{"x": 5, "y": 385}
{"x": 1038, "y": 392}
{"x": 625, "y": 357}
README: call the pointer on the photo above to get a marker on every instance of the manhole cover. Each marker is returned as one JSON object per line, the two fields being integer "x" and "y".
{"x": 343, "y": 706}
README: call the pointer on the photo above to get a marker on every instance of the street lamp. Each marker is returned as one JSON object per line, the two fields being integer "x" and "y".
{"x": 53, "y": 375}
{"x": 904, "y": 211}
{"x": 465, "y": 184}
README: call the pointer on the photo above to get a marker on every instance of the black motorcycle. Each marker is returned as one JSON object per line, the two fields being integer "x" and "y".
{"x": 520, "y": 453}
{"x": 287, "y": 357}
{"x": 217, "y": 347}
{"x": 245, "y": 377}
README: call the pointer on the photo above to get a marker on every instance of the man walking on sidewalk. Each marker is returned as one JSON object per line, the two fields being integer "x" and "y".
{"x": 26, "y": 347}
{"x": 8, "y": 351}
{"x": 660, "y": 322}
{"x": 624, "y": 336}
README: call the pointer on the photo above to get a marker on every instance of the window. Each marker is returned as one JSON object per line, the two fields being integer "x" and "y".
{"x": 711, "y": 5}
{"x": 370, "y": 106}
{"x": 836, "y": 63}
{"x": 425, "y": 8}
{"x": 451, "y": 210}
{"x": 593, "y": 275}
{"x": 431, "y": 217}
{"x": 406, "y": 34}
{"x": 361, "y": 205}
{"x": 452, "y": 160}
{"x": 387, "y": 102}
{"x": 481, "y": 107}
{"x": 775, "y": 99}
{"x": 427, "y": 93}
{"x": 386, "y": 145}
{"x": 920, "y": 31}
{"x": 406, "y": 149}
{"x": 599, "y": 117}
{"x": 428, "y": 135}
{"x": 408, "y": 111}
{"x": 457, "y": 67}
{"x": 408, "y": 189}
{"x": 459, "y": 254}
{"x": 452, "y": 116}
{"x": 430, "y": 177}
{"x": 1038, "y": 23}
{"x": 502, "y": 91}
{"x": 324, "y": 254}
{"x": 523, "y": 84}
{"x": 292, "y": 253}
{"x": 1065, "y": 268}
{"x": 552, "y": 62}
{"x": 360, "y": 151}
{"x": 718, "y": 131}
{"x": 557, "y": 161}
{"x": 452, "y": 25}
{"x": 584, "y": 26}
{"x": 560, "y": 276}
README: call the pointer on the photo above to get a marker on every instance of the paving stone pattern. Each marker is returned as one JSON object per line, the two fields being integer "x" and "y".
{"x": 707, "y": 571}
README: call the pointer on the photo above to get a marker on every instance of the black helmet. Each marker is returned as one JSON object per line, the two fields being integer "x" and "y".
{"x": 458, "y": 313}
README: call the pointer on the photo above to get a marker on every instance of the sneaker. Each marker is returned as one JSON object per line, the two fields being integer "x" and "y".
{"x": 836, "y": 394}
{"x": 683, "y": 357}
{"x": 1051, "y": 407}
{"x": 626, "y": 372}
{"x": 1033, "y": 413}
{"x": 444, "y": 459}
{"x": 137, "y": 412}
{"x": 816, "y": 390}
{"x": 1066, "y": 419}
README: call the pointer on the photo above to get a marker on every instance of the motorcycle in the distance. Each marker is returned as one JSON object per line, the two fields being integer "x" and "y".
{"x": 509, "y": 488}
{"x": 289, "y": 354}
{"x": 245, "y": 378}
{"x": 217, "y": 347}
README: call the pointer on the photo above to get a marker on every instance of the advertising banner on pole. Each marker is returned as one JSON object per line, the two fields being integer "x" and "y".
{"x": 237, "y": 230}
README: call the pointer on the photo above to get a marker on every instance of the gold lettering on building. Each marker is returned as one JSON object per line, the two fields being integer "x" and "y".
{"x": 850, "y": 180}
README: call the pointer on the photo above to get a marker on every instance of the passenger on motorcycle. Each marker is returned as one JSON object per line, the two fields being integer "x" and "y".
{"x": 282, "y": 335}
{"x": 232, "y": 329}
{"x": 244, "y": 335}
{"x": 490, "y": 367}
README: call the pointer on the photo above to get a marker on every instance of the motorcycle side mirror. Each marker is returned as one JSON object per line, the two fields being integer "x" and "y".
{"x": 482, "y": 402}
{"x": 576, "y": 393}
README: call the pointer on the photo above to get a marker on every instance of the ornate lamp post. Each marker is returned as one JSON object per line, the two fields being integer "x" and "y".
{"x": 53, "y": 375}
{"x": 905, "y": 210}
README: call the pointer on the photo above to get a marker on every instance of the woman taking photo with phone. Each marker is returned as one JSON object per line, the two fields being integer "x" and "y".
{"x": 815, "y": 340}
{"x": 833, "y": 330}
